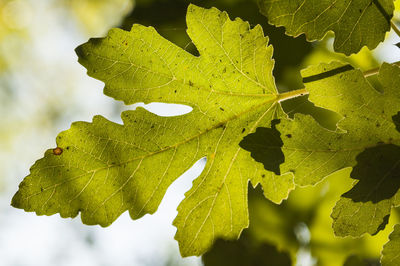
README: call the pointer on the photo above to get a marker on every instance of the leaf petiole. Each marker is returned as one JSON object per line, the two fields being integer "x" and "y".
{"x": 297, "y": 93}
{"x": 375, "y": 71}
{"x": 395, "y": 28}
{"x": 291, "y": 94}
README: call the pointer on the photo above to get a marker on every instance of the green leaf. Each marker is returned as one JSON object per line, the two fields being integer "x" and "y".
{"x": 313, "y": 152}
{"x": 355, "y": 23}
{"x": 102, "y": 169}
{"x": 390, "y": 252}
{"x": 372, "y": 197}
{"x": 245, "y": 251}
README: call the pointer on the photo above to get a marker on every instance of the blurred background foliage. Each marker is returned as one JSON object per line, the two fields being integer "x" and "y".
{"x": 43, "y": 90}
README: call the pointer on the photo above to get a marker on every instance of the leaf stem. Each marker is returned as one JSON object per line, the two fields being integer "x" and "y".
{"x": 291, "y": 94}
{"x": 297, "y": 93}
{"x": 395, "y": 28}
{"x": 375, "y": 71}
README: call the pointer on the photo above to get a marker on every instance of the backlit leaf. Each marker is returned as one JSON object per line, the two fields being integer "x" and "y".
{"x": 356, "y": 23}
{"x": 105, "y": 168}
{"x": 366, "y": 138}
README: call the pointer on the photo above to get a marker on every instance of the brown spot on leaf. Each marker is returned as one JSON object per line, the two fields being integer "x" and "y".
{"x": 57, "y": 151}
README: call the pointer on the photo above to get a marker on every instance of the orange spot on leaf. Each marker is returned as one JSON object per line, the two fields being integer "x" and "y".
{"x": 57, "y": 151}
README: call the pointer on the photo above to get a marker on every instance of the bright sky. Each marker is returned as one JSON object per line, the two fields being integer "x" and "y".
{"x": 44, "y": 71}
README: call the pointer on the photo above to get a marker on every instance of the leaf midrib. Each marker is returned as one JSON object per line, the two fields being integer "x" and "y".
{"x": 217, "y": 125}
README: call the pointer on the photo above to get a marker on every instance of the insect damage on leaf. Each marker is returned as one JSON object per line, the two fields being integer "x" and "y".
{"x": 111, "y": 168}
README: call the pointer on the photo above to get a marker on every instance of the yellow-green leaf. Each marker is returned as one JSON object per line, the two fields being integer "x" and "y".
{"x": 102, "y": 169}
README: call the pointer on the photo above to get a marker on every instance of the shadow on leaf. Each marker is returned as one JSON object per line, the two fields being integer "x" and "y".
{"x": 378, "y": 172}
{"x": 265, "y": 146}
{"x": 396, "y": 121}
{"x": 301, "y": 105}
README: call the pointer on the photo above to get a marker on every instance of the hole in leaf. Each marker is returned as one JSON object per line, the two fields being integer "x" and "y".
{"x": 166, "y": 109}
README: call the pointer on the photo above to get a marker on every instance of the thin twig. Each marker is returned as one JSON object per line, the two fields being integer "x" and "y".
{"x": 394, "y": 27}
{"x": 297, "y": 93}
{"x": 375, "y": 71}
{"x": 301, "y": 92}
{"x": 291, "y": 94}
